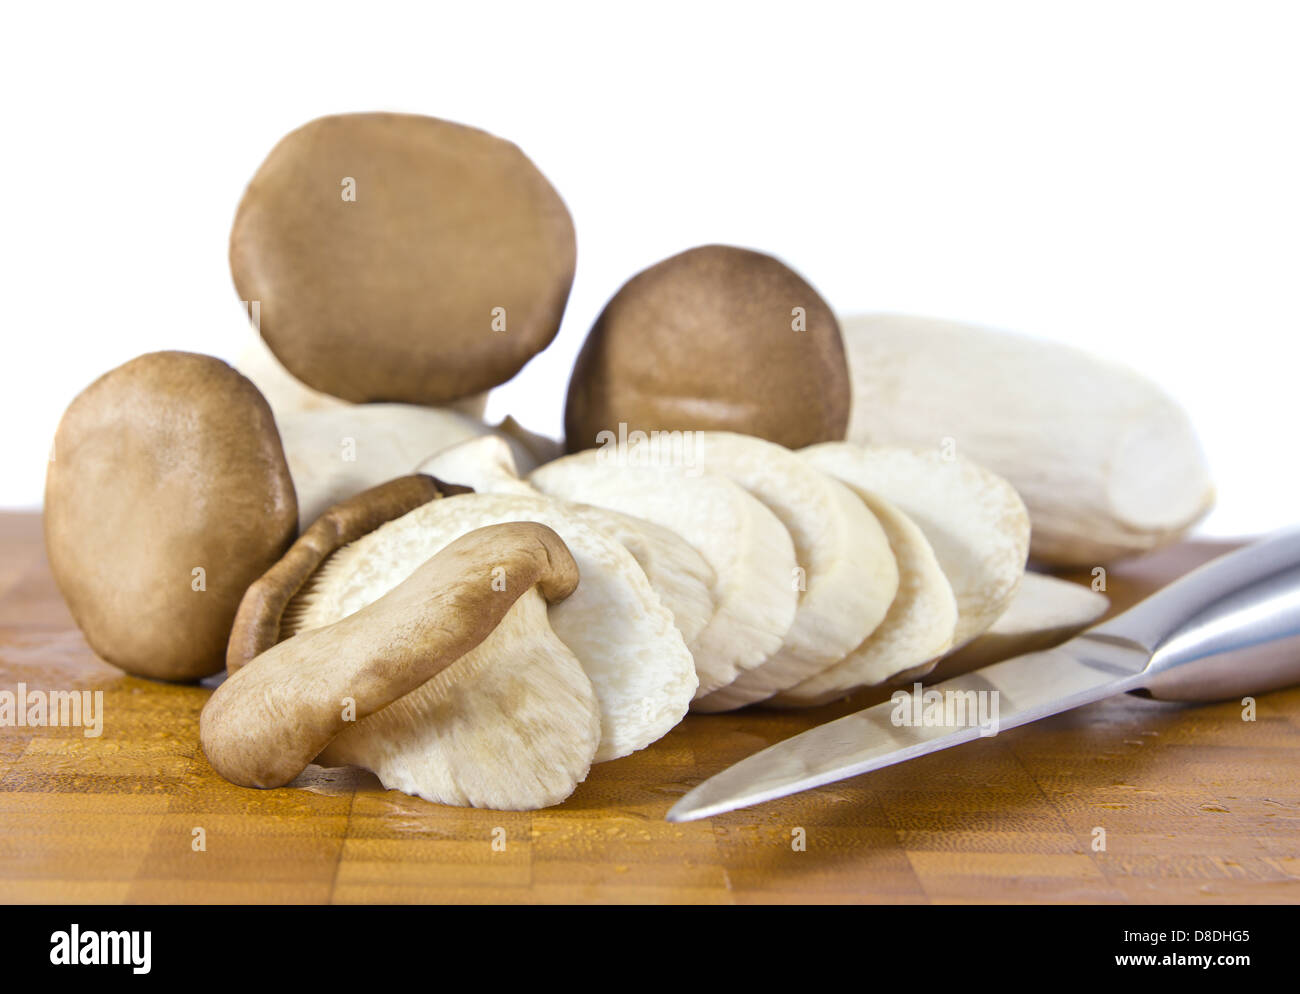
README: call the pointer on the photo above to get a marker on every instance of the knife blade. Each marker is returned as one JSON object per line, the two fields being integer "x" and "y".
{"x": 920, "y": 721}
{"x": 1228, "y": 628}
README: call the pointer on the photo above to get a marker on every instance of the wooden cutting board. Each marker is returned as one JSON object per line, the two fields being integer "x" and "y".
{"x": 1196, "y": 804}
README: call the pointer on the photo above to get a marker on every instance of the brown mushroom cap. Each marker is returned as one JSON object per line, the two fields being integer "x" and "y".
{"x": 393, "y": 296}
{"x": 165, "y": 466}
{"x": 707, "y": 340}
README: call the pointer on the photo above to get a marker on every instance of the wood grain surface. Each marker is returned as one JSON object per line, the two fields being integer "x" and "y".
{"x": 1197, "y": 805}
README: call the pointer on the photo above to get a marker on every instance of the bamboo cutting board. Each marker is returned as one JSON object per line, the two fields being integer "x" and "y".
{"x": 1196, "y": 805}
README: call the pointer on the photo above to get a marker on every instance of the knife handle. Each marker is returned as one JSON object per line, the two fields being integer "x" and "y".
{"x": 1228, "y": 629}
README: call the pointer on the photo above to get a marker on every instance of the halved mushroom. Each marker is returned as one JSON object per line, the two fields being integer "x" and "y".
{"x": 167, "y": 495}
{"x": 917, "y": 630}
{"x": 512, "y": 724}
{"x": 749, "y": 551}
{"x": 973, "y": 519}
{"x": 678, "y": 574}
{"x": 615, "y": 624}
{"x": 847, "y": 575}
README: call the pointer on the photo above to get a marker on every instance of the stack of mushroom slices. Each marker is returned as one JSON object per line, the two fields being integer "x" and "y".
{"x": 834, "y": 567}
{"x": 743, "y": 573}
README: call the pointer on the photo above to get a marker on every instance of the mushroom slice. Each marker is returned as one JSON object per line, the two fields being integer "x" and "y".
{"x": 973, "y": 519}
{"x": 167, "y": 494}
{"x": 513, "y": 724}
{"x": 678, "y": 574}
{"x": 847, "y": 575}
{"x": 917, "y": 630}
{"x": 1044, "y": 612}
{"x": 615, "y": 624}
{"x": 336, "y": 452}
{"x": 749, "y": 551}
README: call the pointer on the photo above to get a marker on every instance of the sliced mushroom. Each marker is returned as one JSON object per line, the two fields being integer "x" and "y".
{"x": 973, "y": 519}
{"x": 615, "y": 624}
{"x": 265, "y": 723}
{"x": 749, "y": 551}
{"x": 847, "y": 576}
{"x": 678, "y": 574}
{"x": 1107, "y": 464}
{"x": 167, "y": 495}
{"x": 917, "y": 630}
{"x": 1044, "y": 612}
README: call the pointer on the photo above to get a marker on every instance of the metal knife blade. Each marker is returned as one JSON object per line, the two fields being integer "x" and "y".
{"x": 1088, "y": 668}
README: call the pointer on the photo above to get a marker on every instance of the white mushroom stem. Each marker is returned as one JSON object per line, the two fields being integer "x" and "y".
{"x": 337, "y": 452}
{"x": 1107, "y": 464}
{"x": 286, "y": 393}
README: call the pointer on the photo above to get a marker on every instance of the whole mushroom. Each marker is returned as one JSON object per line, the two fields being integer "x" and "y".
{"x": 167, "y": 495}
{"x": 396, "y": 257}
{"x": 716, "y": 338}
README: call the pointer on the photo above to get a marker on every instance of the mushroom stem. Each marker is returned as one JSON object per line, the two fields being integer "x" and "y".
{"x": 1108, "y": 465}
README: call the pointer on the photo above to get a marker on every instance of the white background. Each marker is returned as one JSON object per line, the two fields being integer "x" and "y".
{"x": 1125, "y": 177}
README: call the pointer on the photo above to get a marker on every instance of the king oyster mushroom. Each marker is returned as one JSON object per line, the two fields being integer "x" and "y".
{"x": 451, "y": 685}
{"x": 1107, "y": 464}
{"x": 167, "y": 495}
{"x": 402, "y": 258}
{"x": 715, "y": 338}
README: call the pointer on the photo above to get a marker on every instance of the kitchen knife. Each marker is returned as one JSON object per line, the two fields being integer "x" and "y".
{"x": 1228, "y": 629}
